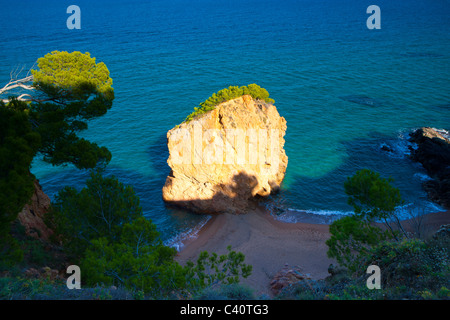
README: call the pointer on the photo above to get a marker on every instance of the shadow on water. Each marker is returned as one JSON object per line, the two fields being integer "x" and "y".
{"x": 170, "y": 221}
{"x": 364, "y": 100}
{"x": 316, "y": 199}
{"x": 175, "y": 219}
{"x": 308, "y": 199}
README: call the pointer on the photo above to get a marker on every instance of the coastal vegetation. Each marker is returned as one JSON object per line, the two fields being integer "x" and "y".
{"x": 232, "y": 92}
{"x": 64, "y": 92}
{"x": 373, "y": 199}
{"x": 102, "y": 227}
{"x": 412, "y": 268}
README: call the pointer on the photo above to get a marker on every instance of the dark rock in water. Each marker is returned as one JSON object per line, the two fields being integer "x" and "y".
{"x": 363, "y": 100}
{"x": 433, "y": 152}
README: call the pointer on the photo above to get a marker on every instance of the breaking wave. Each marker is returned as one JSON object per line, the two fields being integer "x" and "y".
{"x": 177, "y": 241}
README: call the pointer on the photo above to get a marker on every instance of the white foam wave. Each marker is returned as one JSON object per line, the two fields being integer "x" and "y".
{"x": 443, "y": 132}
{"x": 407, "y": 211}
{"x": 311, "y": 216}
{"x": 399, "y": 148}
{"x": 177, "y": 241}
{"x": 415, "y": 209}
{"x": 323, "y": 212}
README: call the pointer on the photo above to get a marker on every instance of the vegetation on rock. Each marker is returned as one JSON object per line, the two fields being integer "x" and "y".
{"x": 230, "y": 93}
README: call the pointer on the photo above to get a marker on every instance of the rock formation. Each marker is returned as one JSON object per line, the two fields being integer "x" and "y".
{"x": 32, "y": 214}
{"x": 224, "y": 158}
{"x": 287, "y": 277}
{"x": 433, "y": 152}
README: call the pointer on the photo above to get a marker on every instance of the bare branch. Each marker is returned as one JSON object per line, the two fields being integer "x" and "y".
{"x": 16, "y": 82}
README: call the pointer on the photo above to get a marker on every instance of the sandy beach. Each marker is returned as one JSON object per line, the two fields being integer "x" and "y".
{"x": 269, "y": 244}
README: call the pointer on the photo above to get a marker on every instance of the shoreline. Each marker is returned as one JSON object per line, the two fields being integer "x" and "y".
{"x": 269, "y": 244}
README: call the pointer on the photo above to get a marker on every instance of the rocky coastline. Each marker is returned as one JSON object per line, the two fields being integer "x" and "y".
{"x": 433, "y": 152}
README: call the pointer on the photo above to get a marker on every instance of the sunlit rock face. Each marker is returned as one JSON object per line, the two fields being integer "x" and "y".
{"x": 222, "y": 159}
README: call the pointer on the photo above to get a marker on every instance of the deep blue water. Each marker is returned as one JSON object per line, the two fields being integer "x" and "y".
{"x": 343, "y": 89}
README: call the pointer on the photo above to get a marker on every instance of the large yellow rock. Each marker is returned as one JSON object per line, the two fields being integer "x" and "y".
{"x": 224, "y": 158}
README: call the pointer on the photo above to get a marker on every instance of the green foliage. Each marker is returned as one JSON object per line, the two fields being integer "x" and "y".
{"x": 74, "y": 89}
{"x": 71, "y": 89}
{"x": 351, "y": 238}
{"x": 72, "y": 76}
{"x": 371, "y": 196}
{"x": 413, "y": 263}
{"x": 138, "y": 260}
{"x": 36, "y": 252}
{"x": 230, "y": 93}
{"x": 102, "y": 225}
{"x": 17, "y": 288}
{"x": 98, "y": 210}
{"x": 211, "y": 269}
{"x": 443, "y": 293}
{"x": 18, "y": 146}
{"x": 10, "y": 252}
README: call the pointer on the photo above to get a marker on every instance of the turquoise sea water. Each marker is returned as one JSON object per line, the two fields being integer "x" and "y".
{"x": 344, "y": 90}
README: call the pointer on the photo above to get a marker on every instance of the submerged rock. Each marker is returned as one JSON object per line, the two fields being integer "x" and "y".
{"x": 363, "y": 100}
{"x": 223, "y": 159}
{"x": 433, "y": 152}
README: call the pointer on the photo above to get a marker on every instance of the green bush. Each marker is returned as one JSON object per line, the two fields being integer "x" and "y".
{"x": 373, "y": 199}
{"x": 230, "y": 93}
{"x": 138, "y": 261}
{"x": 102, "y": 226}
{"x": 98, "y": 210}
{"x": 212, "y": 269}
{"x": 412, "y": 263}
{"x": 352, "y": 237}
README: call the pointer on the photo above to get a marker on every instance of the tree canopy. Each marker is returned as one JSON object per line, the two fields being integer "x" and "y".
{"x": 98, "y": 210}
{"x": 71, "y": 89}
{"x": 373, "y": 199}
{"x": 68, "y": 77}
{"x": 371, "y": 196}
{"x": 67, "y": 90}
